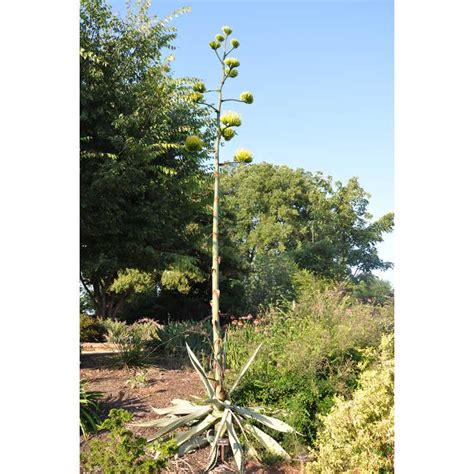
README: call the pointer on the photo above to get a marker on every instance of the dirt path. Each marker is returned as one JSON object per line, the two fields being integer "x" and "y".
{"x": 164, "y": 383}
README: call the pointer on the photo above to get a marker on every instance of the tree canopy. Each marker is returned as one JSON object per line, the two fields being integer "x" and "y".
{"x": 141, "y": 200}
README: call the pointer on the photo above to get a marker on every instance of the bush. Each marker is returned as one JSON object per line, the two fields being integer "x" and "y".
{"x": 358, "y": 434}
{"x": 310, "y": 353}
{"x": 123, "y": 452}
{"x": 92, "y": 330}
{"x": 89, "y": 408}
{"x": 175, "y": 335}
{"x": 133, "y": 342}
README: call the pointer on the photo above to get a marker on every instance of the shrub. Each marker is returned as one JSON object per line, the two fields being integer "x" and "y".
{"x": 133, "y": 342}
{"x": 89, "y": 407}
{"x": 358, "y": 434}
{"x": 175, "y": 335}
{"x": 123, "y": 452}
{"x": 92, "y": 330}
{"x": 310, "y": 353}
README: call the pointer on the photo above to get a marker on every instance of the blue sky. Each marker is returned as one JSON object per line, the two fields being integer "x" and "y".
{"x": 322, "y": 76}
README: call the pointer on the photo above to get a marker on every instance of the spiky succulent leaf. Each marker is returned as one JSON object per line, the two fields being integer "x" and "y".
{"x": 178, "y": 422}
{"x": 193, "y": 444}
{"x": 266, "y": 420}
{"x": 267, "y": 441}
{"x": 160, "y": 423}
{"x": 244, "y": 369}
{"x": 202, "y": 426}
{"x": 235, "y": 446}
{"x": 202, "y": 374}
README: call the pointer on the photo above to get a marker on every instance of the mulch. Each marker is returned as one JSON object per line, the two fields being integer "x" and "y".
{"x": 166, "y": 381}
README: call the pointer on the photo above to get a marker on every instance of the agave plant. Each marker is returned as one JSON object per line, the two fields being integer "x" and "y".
{"x": 218, "y": 417}
{"x": 211, "y": 421}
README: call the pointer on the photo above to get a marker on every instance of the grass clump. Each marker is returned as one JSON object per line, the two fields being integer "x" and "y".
{"x": 133, "y": 342}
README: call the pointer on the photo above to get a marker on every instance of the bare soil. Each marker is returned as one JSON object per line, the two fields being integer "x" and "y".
{"x": 166, "y": 380}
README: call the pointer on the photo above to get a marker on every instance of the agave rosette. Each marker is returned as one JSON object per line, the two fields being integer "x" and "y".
{"x": 210, "y": 422}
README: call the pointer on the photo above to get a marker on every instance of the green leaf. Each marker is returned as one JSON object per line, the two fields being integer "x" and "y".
{"x": 236, "y": 446}
{"x": 201, "y": 372}
{"x": 270, "y": 444}
{"x": 194, "y": 443}
{"x": 220, "y": 430}
{"x": 178, "y": 422}
{"x": 182, "y": 438}
{"x": 269, "y": 421}
{"x": 244, "y": 369}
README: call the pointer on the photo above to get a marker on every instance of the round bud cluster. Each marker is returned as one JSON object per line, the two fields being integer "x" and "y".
{"x": 232, "y": 62}
{"x": 235, "y": 43}
{"x": 242, "y": 155}
{"x": 214, "y": 45}
{"x": 232, "y": 72}
{"x": 231, "y": 119}
{"x": 227, "y": 133}
{"x": 219, "y": 38}
{"x": 227, "y": 30}
{"x": 246, "y": 97}
{"x": 199, "y": 87}
{"x": 196, "y": 96}
{"x": 193, "y": 143}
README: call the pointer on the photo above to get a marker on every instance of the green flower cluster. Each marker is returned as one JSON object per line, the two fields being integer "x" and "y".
{"x": 242, "y": 155}
{"x": 246, "y": 97}
{"x": 193, "y": 143}
{"x": 231, "y": 119}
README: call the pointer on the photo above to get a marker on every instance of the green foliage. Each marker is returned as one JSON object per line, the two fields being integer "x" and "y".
{"x": 132, "y": 341}
{"x": 138, "y": 379}
{"x": 176, "y": 334}
{"x": 270, "y": 283}
{"x": 132, "y": 280}
{"x": 310, "y": 353}
{"x": 122, "y": 452}
{"x": 324, "y": 227}
{"x": 373, "y": 290}
{"x": 92, "y": 330}
{"x": 140, "y": 186}
{"x": 89, "y": 408}
{"x": 358, "y": 433}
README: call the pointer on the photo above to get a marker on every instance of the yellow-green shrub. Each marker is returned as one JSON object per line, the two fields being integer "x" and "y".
{"x": 358, "y": 434}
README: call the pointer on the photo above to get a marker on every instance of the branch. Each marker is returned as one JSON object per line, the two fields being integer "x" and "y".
{"x": 87, "y": 289}
{"x": 233, "y": 100}
{"x": 209, "y": 105}
{"x": 218, "y": 57}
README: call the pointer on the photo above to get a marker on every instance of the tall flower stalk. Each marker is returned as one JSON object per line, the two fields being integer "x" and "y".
{"x": 226, "y": 122}
{"x": 218, "y": 417}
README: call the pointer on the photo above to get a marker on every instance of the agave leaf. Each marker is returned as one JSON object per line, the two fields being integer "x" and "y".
{"x": 267, "y": 441}
{"x": 202, "y": 426}
{"x": 244, "y": 369}
{"x": 235, "y": 445}
{"x": 193, "y": 444}
{"x": 220, "y": 430}
{"x": 177, "y": 409}
{"x": 269, "y": 421}
{"x": 178, "y": 422}
{"x": 155, "y": 423}
{"x": 201, "y": 372}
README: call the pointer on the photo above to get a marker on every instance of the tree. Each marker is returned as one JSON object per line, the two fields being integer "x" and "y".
{"x": 141, "y": 176}
{"x": 324, "y": 227}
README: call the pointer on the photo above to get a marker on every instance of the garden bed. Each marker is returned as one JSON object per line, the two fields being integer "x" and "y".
{"x": 164, "y": 382}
